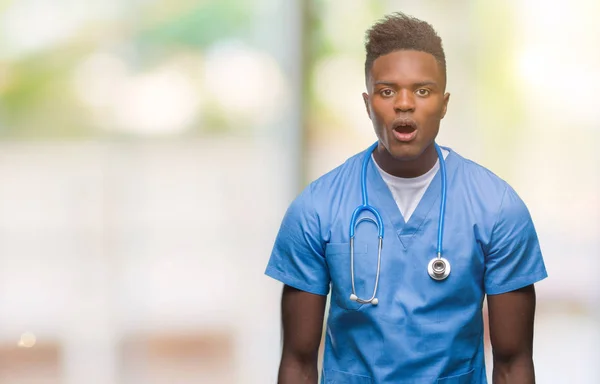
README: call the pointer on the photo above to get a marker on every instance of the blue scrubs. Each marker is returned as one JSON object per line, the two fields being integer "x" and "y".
{"x": 422, "y": 331}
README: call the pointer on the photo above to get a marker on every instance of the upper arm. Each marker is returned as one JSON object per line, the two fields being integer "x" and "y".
{"x": 298, "y": 261}
{"x": 298, "y": 256}
{"x": 511, "y": 318}
{"x": 302, "y": 316}
{"x": 513, "y": 264}
{"x": 513, "y": 258}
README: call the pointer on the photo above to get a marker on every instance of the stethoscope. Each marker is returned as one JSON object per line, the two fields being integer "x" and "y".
{"x": 438, "y": 268}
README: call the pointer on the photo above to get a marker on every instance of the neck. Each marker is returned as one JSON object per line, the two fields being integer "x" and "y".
{"x": 405, "y": 168}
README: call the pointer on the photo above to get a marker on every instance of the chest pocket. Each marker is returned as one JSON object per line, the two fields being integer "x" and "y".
{"x": 365, "y": 268}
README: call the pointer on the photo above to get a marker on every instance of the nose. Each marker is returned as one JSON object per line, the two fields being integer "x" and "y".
{"x": 405, "y": 101}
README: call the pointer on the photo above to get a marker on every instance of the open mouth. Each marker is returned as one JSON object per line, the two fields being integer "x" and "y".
{"x": 404, "y": 129}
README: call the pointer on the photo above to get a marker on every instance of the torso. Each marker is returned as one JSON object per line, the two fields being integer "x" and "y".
{"x": 421, "y": 328}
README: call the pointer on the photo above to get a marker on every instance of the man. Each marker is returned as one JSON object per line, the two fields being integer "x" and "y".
{"x": 402, "y": 313}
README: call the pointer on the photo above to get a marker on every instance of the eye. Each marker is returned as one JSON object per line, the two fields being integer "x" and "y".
{"x": 422, "y": 92}
{"x": 387, "y": 92}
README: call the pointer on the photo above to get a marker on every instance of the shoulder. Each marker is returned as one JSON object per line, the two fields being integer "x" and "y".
{"x": 338, "y": 174}
{"x": 326, "y": 187}
{"x": 493, "y": 195}
{"x": 323, "y": 192}
{"x": 478, "y": 178}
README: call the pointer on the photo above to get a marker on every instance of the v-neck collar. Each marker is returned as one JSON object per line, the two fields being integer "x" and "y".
{"x": 381, "y": 198}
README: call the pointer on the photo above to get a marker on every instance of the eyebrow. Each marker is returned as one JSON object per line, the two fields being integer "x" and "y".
{"x": 419, "y": 84}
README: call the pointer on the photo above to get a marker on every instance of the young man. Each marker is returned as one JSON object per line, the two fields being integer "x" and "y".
{"x": 440, "y": 234}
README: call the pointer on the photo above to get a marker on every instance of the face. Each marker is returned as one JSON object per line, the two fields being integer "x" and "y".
{"x": 405, "y": 102}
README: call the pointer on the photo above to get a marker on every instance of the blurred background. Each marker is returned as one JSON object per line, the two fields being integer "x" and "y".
{"x": 149, "y": 149}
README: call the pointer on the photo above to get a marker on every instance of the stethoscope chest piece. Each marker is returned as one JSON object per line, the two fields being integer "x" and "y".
{"x": 438, "y": 268}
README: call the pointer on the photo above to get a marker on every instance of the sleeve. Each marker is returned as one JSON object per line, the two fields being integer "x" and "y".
{"x": 298, "y": 256}
{"x": 513, "y": 259}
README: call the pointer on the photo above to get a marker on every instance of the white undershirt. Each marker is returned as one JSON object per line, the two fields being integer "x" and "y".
{"x": 407, "y": 192}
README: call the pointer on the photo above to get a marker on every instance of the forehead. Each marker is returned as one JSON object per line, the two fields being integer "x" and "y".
{"x": 406, "y": 66}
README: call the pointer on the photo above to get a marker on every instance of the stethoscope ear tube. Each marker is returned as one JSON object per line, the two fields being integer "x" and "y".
{"x": 373, "y": 300}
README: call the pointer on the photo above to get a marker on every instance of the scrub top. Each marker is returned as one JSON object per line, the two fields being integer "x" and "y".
{"x": 422, "y": 330}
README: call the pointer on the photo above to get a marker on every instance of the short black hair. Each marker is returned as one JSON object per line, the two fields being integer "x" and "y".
{"x": 398, "y": 31}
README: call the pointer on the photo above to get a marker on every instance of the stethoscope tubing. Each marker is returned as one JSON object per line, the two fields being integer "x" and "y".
{"x": 438, "y": 268}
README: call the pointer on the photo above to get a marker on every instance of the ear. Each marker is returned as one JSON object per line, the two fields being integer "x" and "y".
{"x": 366, "y": 100}
{"x": 445, "y": 106}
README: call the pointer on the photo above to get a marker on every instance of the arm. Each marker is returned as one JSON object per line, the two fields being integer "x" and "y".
{"x": 298, "y": 261}
{"x": 511, "y": 317}
{"x": 302, "y": 316}
{"x": 513, "y": 263}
